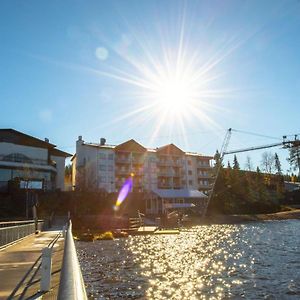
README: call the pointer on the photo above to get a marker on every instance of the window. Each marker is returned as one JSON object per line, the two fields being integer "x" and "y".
{"x": 189, "y": 162}
{"x": 103, "y": 179}
{"x": 5, "y": 174}
{"x": 190, "y": 172}
{"x": 102, "y": 167}
{"x": 110, "y": 156}
{"x": 190, "y": 182}
{"x": 102, "y": 156}
{"x": 110, "y": 168}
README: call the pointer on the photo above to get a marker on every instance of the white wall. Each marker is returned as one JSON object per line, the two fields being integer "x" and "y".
{"x": 60, "y": 171}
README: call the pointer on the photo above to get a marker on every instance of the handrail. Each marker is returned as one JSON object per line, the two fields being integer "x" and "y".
{"x": 71, "y": 285}
{"x": 12, "y": 234}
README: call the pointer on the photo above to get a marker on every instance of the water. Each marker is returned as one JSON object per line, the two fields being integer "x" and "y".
{"x": 251, "y": 261}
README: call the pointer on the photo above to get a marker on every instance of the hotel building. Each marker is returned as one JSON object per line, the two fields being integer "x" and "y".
{"x": 102, "y": 166}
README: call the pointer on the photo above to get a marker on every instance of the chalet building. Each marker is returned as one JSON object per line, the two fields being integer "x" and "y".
{"x": 100, "y": 166}
{"x": 24, "y": 158}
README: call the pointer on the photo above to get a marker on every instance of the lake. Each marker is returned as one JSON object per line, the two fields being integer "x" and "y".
{"x": 252, "y": 261}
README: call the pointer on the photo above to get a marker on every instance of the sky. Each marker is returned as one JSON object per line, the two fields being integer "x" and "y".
{"x": 159, "y": 72}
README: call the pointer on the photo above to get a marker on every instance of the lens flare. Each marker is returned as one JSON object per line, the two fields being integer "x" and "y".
{"x": 126, "y": 188}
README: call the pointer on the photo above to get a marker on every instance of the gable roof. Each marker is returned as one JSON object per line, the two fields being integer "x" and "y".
{"x": 57, "y": 152}
{"x": 131, "y": 146}
{"x": 169, "y": 150}
{"x": 13, "y": 136}
{"x": 16, "y": 137}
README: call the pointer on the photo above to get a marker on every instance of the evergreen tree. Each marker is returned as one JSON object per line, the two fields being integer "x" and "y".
{"x": 277, "y": 164}
{"x": 294, "y": 158}
{"x": 228, "y": 165}
{"x": 236, "y": 165}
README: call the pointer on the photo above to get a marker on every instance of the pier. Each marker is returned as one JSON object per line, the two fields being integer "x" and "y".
{"x": 31, "y": 266}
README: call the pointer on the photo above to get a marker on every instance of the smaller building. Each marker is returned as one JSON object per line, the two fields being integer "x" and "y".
{"x": 24, "y": 158}
{"x": 162, "y": 201}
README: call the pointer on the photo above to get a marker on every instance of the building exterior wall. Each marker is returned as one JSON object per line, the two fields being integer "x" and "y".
{"x": 32, "y": 163}
{"x": 60, "y": 171}
{"x": 107, "y": 167}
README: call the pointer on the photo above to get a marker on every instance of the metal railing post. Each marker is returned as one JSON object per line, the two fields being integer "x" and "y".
{"x": 46, "y": 269}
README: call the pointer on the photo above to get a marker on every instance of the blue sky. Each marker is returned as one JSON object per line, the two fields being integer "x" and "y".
{"x": 70, "y": 68}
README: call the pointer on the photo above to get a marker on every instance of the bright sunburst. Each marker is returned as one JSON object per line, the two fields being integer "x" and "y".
{"x": 170, "y": 83}
{"x": 173, "y": 95}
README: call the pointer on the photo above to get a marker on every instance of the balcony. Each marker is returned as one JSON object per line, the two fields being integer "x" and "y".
{"x": 165, "y": 174}
{"x": 164, "y": 185}
{"x": 201, "y": 175}
{"x": 203, "y": 164}
{"x": 137, "y": 160}
{"x": 166, "y": 162}
{"x": 123, "y": 172}
{"x": 122, "y": 160}
{"x": 137, "y": 172}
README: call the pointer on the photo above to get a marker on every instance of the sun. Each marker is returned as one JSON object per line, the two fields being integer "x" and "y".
{"x": 173, "y": 95}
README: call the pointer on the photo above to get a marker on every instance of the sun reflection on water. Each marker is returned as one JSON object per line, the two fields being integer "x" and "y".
{"x": 186, "y": 266}
{"x": 252, "y": 261}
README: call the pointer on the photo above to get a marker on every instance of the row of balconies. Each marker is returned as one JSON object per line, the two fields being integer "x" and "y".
{"x": 166, "y": 173}
{"x": 128, "y": 160}
{"x": 160, "y": 162}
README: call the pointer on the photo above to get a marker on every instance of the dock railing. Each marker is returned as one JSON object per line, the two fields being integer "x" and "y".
{"x": 11, "y": 232}
{"x": 71, "y": 285}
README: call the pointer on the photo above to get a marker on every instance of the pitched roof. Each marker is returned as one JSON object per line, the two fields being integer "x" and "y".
{"x": 170, "y": 149}
{"x": 16, "y": 137}
{"x": 13, "y": 136}
{"x": 57, "y": 152}
{"x": 182, "y": 193}
{"x": 131, "y": 146}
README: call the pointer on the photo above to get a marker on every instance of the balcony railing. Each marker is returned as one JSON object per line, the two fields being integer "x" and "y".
{"x": 164, "y": 185}
{"x": 137, "y": 160}
{"x": 204, "y": 175}
{"x": 169, "y": 174}
{"x": 123, "y": 171}
{"x": 125, "y": 160}
{"x": 202, "y": 164}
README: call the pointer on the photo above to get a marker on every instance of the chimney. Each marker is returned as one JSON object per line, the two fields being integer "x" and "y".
{"x": 46, "y": 140}
{"x": 80, "y": 138}
{"x": 102, "y": 141}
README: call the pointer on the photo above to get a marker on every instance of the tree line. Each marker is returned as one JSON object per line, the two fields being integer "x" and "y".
{"x": 252, "y": 190}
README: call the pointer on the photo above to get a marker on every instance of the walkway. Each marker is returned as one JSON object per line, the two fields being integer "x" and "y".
{"x": 16, "y": 260}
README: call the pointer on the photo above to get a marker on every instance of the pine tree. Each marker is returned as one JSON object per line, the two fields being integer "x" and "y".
{"x": 294, "y": 158}
{"x": 236, "y": 165}
{"x": 277, "y": 165}
{"x": 228, "y": 165}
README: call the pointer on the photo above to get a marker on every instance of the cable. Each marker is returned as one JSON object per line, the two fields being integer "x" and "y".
{"x": 256, "y": 134}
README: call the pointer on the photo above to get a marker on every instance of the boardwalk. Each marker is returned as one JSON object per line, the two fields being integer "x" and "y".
{"x": 16, "y": 260}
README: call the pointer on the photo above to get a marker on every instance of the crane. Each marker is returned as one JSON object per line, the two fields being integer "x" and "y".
{"x": 222, "y": 154}
{"x": 285, "y": 143}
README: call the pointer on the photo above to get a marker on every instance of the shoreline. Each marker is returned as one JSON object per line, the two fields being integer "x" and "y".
{"x": 237, "y": 219}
